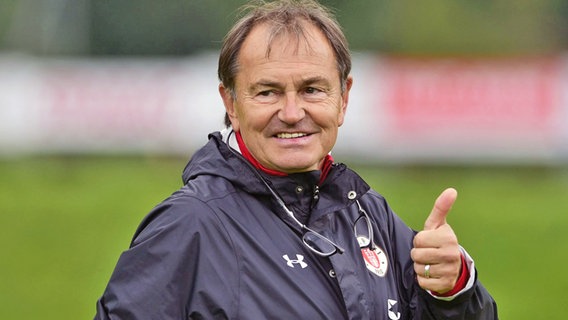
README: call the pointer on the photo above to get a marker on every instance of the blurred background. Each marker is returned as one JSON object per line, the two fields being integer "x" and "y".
{"x": 103, "y": 102}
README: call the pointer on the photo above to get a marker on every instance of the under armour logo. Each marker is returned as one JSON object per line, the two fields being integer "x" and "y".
{"x": 299, "y": 260}
{"x": 392, "y": 315}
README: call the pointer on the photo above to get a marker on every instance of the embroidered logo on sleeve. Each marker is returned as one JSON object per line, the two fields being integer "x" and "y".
{"x": 375, "y": 260}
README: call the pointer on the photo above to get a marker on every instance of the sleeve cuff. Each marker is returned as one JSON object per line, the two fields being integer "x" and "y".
{"x": 465, "y": 281}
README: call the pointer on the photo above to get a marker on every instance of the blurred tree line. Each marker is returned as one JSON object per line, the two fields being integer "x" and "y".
{"x": 181, "y": 27}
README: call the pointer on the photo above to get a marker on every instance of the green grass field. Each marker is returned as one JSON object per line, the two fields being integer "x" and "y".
{"x": 66, "y": 220}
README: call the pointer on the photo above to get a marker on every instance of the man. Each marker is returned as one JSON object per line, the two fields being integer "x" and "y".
{"x": 267, "y": 226}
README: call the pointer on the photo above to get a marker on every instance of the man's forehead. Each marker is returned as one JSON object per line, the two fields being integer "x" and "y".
{"x": 265, "y": 40}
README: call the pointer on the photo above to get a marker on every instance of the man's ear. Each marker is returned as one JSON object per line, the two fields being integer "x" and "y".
{"x": 345, "y": 99}
{"x": 229, "y": 102}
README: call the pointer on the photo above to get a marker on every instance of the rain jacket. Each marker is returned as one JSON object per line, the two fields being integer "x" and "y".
{"x": 221, "y": 247}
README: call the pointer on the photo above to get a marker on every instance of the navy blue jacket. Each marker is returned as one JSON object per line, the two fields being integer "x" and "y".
{"x": 222, "y": 248}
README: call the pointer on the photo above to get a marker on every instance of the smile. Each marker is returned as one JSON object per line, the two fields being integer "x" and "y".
{"x": 291, "y": 135}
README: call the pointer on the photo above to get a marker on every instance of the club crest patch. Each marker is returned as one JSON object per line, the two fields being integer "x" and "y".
{"x": 375, "y": 260}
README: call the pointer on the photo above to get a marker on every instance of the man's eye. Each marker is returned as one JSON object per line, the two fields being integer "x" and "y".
{"x": 266, "y": 93}
{"x": 266, "y": 96}
{"x": 311, "y": 90}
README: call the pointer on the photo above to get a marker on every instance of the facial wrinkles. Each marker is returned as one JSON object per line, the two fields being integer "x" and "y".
{"x": 291, "y": 51}
{"x": 293, "y": 89}
{"x": 274, "y": 75}
{"x": 290, "y": 94}
{"x": 280, "y": 74}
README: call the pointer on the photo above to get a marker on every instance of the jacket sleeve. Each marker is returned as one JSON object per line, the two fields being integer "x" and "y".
{"x": 156, "y": 278}
{"x": 474, "y": 303}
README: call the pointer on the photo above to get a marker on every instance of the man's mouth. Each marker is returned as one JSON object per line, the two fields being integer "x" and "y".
{"x": 285, "y": 135}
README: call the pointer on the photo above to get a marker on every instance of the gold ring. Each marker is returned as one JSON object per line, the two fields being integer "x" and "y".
{"x": 427, "y": 271}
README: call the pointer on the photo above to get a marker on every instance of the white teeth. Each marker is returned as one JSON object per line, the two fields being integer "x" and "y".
{"x": 291, "y": 135}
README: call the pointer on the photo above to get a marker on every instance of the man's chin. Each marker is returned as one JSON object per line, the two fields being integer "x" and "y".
{"x": 292, "y": 167}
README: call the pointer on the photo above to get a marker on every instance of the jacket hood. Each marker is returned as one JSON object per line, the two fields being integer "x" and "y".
{"x": 217, "y": 158}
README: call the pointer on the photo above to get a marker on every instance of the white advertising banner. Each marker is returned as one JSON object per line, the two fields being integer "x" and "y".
{"x": 474, "y": 109}
{"x": 400, "y": 109}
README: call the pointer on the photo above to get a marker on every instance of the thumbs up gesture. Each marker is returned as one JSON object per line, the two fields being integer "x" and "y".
{"x": 436, "y": 253}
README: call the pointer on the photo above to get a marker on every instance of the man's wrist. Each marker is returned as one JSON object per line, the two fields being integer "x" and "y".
{"x": 465, "y": 281}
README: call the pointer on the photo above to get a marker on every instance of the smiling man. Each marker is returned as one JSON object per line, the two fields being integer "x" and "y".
{"x": 288, "y": 101}
{"x": 267, "y": 225}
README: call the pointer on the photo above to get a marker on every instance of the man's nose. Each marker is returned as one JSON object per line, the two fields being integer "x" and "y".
{"x": 292, "y": 110}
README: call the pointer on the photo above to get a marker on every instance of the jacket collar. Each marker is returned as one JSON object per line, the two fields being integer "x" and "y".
{"x": 221, "y": 157}
{"x": 235, "y": 141}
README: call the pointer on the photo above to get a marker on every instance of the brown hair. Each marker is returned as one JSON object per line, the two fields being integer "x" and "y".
{"x": 284, "y": 17}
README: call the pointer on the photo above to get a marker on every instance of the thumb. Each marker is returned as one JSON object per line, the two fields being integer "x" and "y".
{"x": 441, "y": 208}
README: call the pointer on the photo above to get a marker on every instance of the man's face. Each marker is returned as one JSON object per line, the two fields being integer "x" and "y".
{"x": 288, "y": 104}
